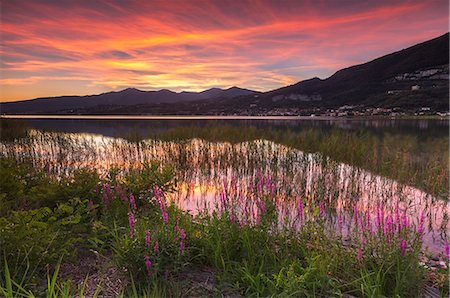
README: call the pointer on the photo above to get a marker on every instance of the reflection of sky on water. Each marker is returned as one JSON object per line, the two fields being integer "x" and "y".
{"x": 203, "y": 168}
{"x": 124, "y": 128}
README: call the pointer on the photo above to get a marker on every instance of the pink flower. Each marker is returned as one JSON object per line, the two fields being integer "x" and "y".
{"x": 156, "y": 247}
{"x": 355, "y": 214}
{"x": 132, "y": 202}
{"x": 359, "y": 255}
{"x": 131, "y": 222}
{"x": 261, "y": 205}
{"x": 403, "y": 246}
{"x": 148, "y": 264}
{"x": 164, "y": 214}
{"x": 147, "y": 238}
{"x": 182, "y": 238}
{"x": 322, "y": 209}
{"x": 420, "y": 229}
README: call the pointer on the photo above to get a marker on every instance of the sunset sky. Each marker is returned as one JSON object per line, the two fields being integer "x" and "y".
{"x": 51, "y": 48}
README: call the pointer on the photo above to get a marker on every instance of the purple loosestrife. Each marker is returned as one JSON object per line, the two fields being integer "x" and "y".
{"x": 261, "y": 205}
{"x": 164, "y": 214}
{"x": 368, "y": 221}
{"x": 132, "y": 223}
{"x": 355, "y": 214}
{"x": 359, "y": 255}
{"x": 420, "y": 229}
{"x": 322, "y": 209}
{"x": 255, "y": 216}
{"x": 233, "y": 216}
{"x": 156, "y": 247}
{"x": 177, "y": 228}
{"x": 148, "y": 265}
{"x": 147, "y": 238}
{"x": 340, "y": 221}
{"x": 182, "y": 238}
{"x": 403, "y": 246}
{"x": 105, "y": 197}
{"x": 132, "y": 202}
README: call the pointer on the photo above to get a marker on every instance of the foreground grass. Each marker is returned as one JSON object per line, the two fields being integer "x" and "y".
{"x": 127, "y": 220}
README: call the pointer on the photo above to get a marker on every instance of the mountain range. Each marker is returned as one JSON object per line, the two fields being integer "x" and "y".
{"x": 409, "y": 79}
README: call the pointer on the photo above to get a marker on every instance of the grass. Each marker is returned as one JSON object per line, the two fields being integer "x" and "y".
{"x": 126, "y": 218}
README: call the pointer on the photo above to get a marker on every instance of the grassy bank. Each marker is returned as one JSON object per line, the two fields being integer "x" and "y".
{"x": 123, "y": 227}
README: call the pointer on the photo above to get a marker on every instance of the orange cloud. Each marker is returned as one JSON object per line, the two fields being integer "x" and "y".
{"x": 71, "y": 47}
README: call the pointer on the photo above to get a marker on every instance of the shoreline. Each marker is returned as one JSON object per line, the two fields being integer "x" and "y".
{"x": 215, "y": 117}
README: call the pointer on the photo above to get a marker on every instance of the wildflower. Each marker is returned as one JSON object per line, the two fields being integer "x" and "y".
{"x": 256, "y": 216}
{"x": 403, "y": 246}
{"x": 147, "y": 238}
{"x": 148, "y": 264}
{"x": 90, "y": 206}
{"x": 340, "y": 221}
{"x": 132, "y": 202}
{"x": 359, "y": 255}
{"x": 131, "y": 222}
{"x": 164, "y": 214}
{"x": 368, "y": 222}
{"x": 420, "y": 229}
{"x": 233, "y": 216}
{"x": 322, "y": 209}
{"x": 156, "y": 247}
{"x": 262, "y": 205}
{"x": 355, "y": 214}
{"x": 177, "y": 228}
{"x": 105, "y": 196}
{"x": 182, "y": 238}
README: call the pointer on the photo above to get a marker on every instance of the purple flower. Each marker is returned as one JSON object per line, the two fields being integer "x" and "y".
{"x": 403, "y": 246}
{"x": 132, "y": 202}
{"x": 182, "y": 238}
{"x": 359, "y": 255}
{"x": 355, "y": 214}
{"x": 322, "y": 209}
{"x": 261, "y": 205}
{"x": 148, "y": 264}
{"x": 147, "y": 238}
{"x": 131, "y": 222}
{"x": 420, "y": 229}
{"x": 156, "y": 247}
{"x": 164, "y": 214}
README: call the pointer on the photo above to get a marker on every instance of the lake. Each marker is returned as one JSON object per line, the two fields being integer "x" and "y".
{"x": 344, "y": 163}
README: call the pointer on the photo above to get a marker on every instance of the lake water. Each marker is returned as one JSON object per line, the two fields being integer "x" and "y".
{"x": 214, "y": 156}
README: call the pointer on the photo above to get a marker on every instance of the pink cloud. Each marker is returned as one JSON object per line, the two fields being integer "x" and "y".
{"x": 104, "y": 45}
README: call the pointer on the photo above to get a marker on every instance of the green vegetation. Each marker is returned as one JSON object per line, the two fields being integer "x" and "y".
{"x": 126, "y": 225}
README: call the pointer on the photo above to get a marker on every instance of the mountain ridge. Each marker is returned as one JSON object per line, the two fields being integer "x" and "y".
{"x": 411, "y": 78}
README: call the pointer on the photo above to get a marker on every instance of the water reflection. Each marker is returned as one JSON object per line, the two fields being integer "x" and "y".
{"x": 206, "y": 170}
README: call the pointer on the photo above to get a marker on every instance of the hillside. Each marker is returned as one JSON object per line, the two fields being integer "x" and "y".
{"x": 410, "y": 79}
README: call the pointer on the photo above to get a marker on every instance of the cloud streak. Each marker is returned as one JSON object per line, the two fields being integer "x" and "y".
{"x": 81, "y": 47}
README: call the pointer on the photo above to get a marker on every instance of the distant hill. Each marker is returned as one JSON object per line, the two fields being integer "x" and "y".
{"x": 126, "y": 97}
{"x": 409, "y": 79}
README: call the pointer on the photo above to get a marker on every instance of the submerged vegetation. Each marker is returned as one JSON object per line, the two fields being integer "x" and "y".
{"x": 125, "y": 224}
{"x": 421, "y": 162}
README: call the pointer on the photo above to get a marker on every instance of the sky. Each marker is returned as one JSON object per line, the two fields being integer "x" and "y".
{"x": 54, "y": 47}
